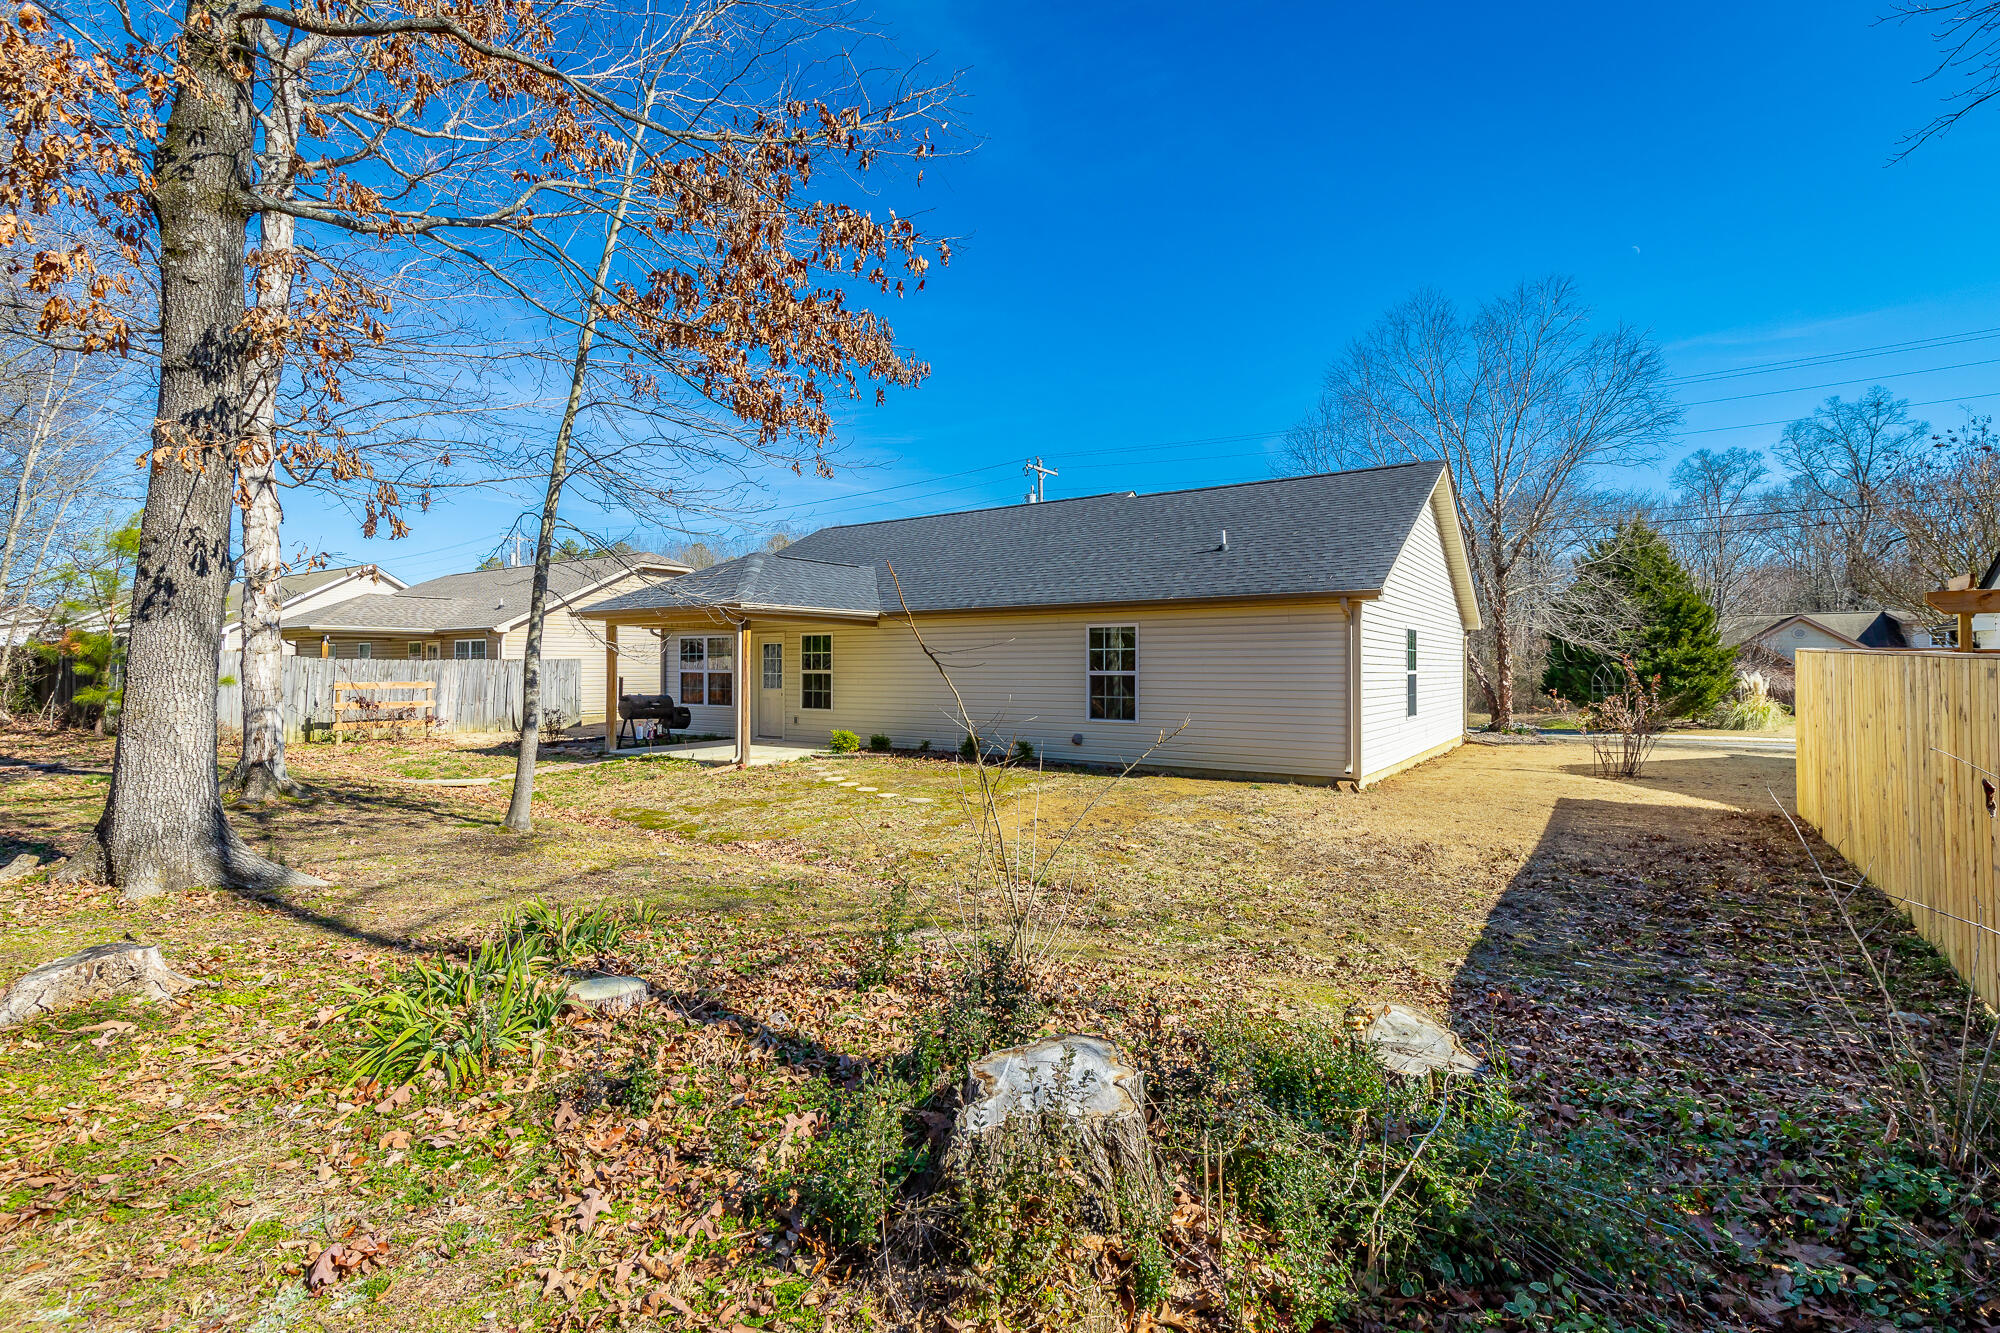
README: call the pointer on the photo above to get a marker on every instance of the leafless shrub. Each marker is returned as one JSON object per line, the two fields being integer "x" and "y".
{"x": 1015, "y": 867}
{"x": 1624, "y": 725}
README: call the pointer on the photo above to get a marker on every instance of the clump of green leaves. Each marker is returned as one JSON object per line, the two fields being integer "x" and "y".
{"x": 990, "y": 1006}
{"x": 887, "y": 941}
{"x": 843, "y": 742}
{"x": 1019, "y": 1205}
{"x": 879, "y": 742}
{"x": 565, "y": 935}
{"x": 849, "y": 1174}
{"x": 457, "y": 1017}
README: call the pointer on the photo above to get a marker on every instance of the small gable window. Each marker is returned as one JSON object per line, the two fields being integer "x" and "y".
{"x": 1112, "y": 665}
{"x": 364, "y": 651}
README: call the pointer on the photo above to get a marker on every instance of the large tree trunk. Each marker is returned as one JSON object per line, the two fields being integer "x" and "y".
{"x": 1503, "y": 657}
{"x": 260, "y": 769}
{"x": 162, "y": 828}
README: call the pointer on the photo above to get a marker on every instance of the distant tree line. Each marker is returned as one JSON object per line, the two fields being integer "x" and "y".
{"x": 1535, "y": 406}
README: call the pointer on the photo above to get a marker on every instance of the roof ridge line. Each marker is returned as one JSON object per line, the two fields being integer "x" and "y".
{"x": 1138, "y": 495}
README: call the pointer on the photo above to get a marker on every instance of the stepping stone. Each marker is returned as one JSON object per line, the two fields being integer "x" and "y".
{"x": 850, "y": 784}
{"x": 888, "y": 796}
{"x": 607, "y": 994}
{"x": 830, "y": 779}
{"x": 870, "y": 789}
{"x": 920, "y": 800}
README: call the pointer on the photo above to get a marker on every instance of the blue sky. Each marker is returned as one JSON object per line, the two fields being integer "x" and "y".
{"x": 1177, "y": 214}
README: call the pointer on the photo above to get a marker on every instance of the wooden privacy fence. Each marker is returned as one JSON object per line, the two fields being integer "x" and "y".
{"x": 465, "y": 696}
{"x": 1898, "y": 768}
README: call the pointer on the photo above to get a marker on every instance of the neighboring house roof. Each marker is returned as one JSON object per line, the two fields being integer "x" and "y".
{"x": 1329, "y": 534}
{"x": 484, "y": 599}
{"x": 1862, "y": 629}
{"x": 1992, "y": 579}
{"x": 294, "y": 586}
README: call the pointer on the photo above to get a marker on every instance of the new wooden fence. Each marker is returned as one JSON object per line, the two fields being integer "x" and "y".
{"x": 481, "y": 696}
{"x": 1898, "y": 767}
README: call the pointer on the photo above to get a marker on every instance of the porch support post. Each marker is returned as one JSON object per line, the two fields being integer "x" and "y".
{"x": 1965, "y": 644}
{"x": 610, "y": 687}
{"x": 743, "y": 694}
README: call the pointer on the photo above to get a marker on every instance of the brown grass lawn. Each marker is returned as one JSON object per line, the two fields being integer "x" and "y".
{"x": 182, "y": 1171}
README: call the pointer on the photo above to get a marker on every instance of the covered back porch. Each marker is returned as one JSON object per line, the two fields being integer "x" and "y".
{"x": 740, "y": 670}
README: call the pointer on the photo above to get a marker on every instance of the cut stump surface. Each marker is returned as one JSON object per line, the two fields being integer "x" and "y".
{"x": 122, "y": 967}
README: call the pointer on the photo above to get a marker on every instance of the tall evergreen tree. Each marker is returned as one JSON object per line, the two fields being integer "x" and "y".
{"x": 1672, "y": 636}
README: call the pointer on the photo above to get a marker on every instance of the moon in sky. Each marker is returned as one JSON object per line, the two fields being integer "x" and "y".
{"x": 1635, "y": 249}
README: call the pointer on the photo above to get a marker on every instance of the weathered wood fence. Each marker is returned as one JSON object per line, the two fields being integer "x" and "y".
{"x": 1899, "y": 768}
{"x": 482, "y": 696}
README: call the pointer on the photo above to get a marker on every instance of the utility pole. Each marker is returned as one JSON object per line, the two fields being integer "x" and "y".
{"x": 1038, "y": 477}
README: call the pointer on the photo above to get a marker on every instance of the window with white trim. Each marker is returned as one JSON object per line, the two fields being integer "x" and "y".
{"x": 364, "y": 651}
{"x": 416, "y": 650}
{"x": 708, "y": 670}
{"x": 1410, "y": 670}
{"x": 1113, "y": 670}
{"x": 469, "y": 650}
{"x": 815, "y": 671}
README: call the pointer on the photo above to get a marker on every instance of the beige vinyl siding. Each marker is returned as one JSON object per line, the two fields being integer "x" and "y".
{"x": 317, "y": 600}
{"x": 1788, "y": 639}
{"x": 1263, "y": 689}
{"x": 565, "y": 634}
{"x": 1418, "y": 594}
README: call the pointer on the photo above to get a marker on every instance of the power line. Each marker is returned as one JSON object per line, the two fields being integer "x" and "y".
{"x": 1833, "y": 358}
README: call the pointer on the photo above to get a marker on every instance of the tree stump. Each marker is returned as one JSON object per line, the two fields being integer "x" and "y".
{"x": 119, "y": 968}
{"x": 607, "y": 994}
{"x": 1408, "y": 1043}
{"x": 1071, "y": 1100}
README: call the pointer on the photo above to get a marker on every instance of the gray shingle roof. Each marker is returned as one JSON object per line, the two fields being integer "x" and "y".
{"x": 1336, "y": 532}
{"x": 1854, "y": 625}
{"x": 290, "y": 586}
{"x": 481, "y": 599}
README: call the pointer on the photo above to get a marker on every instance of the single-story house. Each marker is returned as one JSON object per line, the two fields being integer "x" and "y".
{"x": 484, "y": 614}
{"x": 1304, "y": 627}
{"x": 1783, "y": 633}
{"x": 302, "y": 593}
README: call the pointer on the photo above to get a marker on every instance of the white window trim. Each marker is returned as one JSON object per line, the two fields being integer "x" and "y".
{"x": 804, "y": 671}
{"x": 1133, "y": 673}
{"x": 735, "y": 675}
{"x": 1412, "y": 700}
{"x": 468, "y": 657}
{"x": 364, "y": 651}
{"x": 415, "y": 651}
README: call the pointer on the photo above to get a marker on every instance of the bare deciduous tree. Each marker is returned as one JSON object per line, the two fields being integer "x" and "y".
{"x": 1524, "y": 400}
{"x": 1839, "y": 459}
{"x": 1944, "y": 507}
{"x": 1713, "y": 522}
{"x": 425, "y": 123}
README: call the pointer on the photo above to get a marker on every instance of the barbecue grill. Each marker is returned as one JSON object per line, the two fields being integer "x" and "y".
{"x": 651, "y": 707}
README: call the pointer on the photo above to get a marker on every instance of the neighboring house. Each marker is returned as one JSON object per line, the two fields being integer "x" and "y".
{"x": 484, "y": 614}
{"x": 1783, "y": 633}
{"x": 1309, "y": 627}
{"x": 301, "y": 594}
{"x": 1986, "y": 628}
